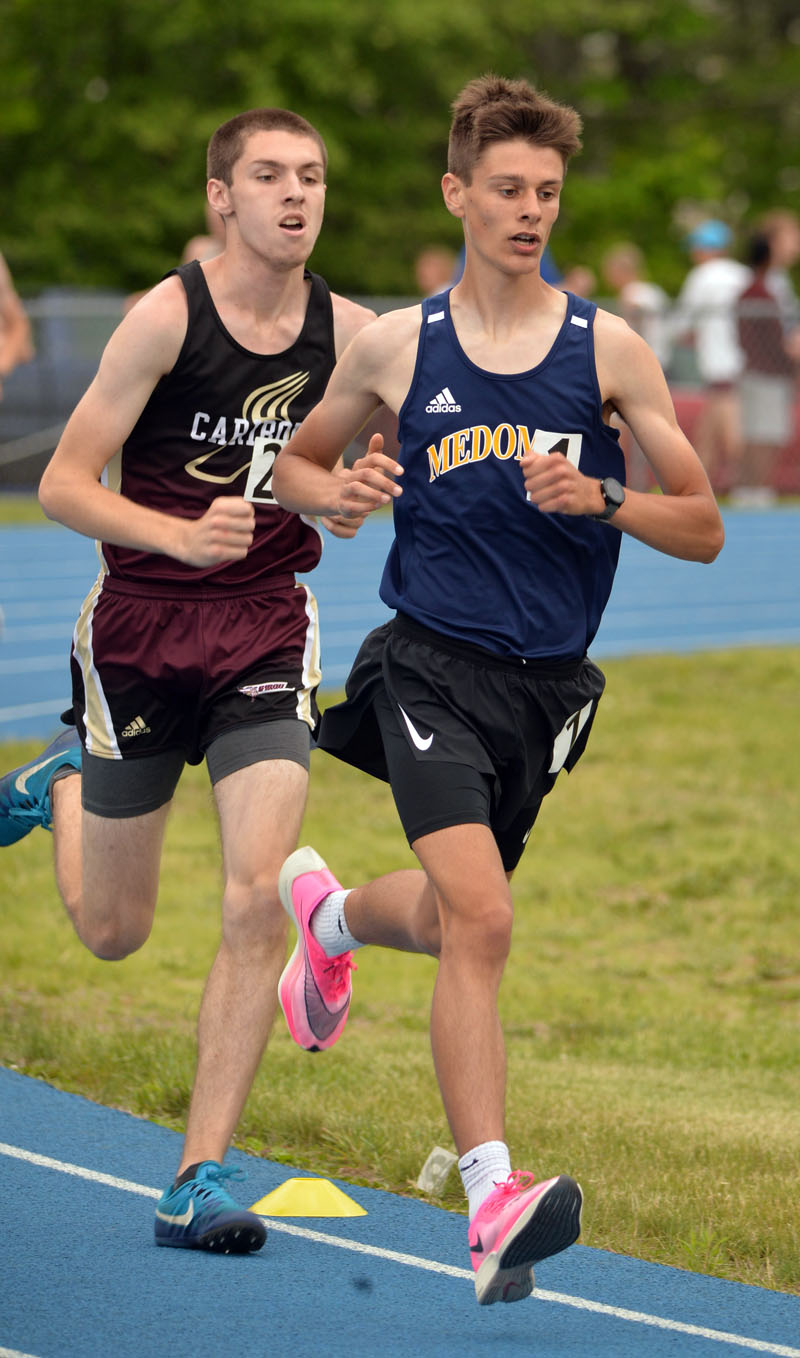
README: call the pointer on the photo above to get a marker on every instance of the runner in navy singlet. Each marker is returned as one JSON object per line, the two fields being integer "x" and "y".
{"x": 508, "y": 508}
{"x": 196, "y": 641}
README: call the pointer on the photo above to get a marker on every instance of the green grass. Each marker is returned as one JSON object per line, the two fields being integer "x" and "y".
{"x": 651, "y": 1002}
{"x": 22, "y": 508}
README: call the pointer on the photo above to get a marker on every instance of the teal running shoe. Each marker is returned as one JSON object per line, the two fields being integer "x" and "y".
{"x": 202, "y": 1215}
{"x": 25, "y": 792}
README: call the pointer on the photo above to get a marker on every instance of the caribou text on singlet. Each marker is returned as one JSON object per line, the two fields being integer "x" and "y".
{"x": 214, "y": 426}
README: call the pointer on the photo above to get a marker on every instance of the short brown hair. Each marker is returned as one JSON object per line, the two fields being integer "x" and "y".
{"x": 492, "y": 109}
{"x": 227, "y": 143}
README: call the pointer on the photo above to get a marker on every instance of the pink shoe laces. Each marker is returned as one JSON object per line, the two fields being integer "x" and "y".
{"x": 337, "y": 972}
{"x": 518, "y": 1181}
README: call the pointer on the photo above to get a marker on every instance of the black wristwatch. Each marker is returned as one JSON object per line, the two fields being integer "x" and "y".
{"x": 614, "y": 496}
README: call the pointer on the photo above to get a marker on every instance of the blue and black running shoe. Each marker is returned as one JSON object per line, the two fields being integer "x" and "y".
{"x": 25, "y": 792}
{"x": 202, "y": 1215}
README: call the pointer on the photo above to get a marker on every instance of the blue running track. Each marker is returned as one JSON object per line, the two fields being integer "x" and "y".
{"x": 82, "y": 1276}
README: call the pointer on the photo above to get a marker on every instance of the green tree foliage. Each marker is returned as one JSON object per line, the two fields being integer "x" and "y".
{"x": 108, "y": 105}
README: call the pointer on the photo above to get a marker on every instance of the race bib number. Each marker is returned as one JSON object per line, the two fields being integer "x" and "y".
{"x": 259, "y": 478}
{"x": 567, "y": 736}
{"x": 546, "y": 441}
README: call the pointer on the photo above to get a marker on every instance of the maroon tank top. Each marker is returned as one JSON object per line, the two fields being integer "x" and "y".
{"x": 213, "y": 426}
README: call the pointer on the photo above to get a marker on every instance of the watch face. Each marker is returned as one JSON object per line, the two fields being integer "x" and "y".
{"x": 613, "y": 493}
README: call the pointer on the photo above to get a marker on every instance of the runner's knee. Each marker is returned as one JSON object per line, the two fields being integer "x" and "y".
{"x": 425, "y": 927}
{"x": 480, "y": 925}
{"x": 113, "y": 934}
{"x": 252, "y": 914}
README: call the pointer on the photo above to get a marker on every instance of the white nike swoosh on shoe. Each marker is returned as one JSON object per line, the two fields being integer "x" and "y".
{"x": 21, "y": 783}
{"x": 421, "y": 742}
{"x": 182, "y": 1219}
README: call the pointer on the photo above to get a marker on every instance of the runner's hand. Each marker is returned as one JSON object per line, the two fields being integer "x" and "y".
{"x": 369, "y": 483}
{"x": 223, "y": 533}
{"x": 556, "y": 486}
{"x": 340, "y": 527}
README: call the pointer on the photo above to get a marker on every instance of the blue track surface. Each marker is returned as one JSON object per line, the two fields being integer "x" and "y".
{"x": 748, "y": 597}
{"x": 82, "y": 1276}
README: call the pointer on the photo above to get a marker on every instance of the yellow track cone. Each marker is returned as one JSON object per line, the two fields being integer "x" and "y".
{"x": 307, "y": 1198}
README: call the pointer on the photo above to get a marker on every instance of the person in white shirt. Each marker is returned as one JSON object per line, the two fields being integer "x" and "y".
{"x": 705, "y": 310}
{"x": 645, "y": 306}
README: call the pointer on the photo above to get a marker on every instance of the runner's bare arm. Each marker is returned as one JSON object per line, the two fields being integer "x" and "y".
{"x": 375, "y": 369}
{"x": 142, "y": 349}
{"x": 348, "y": 319}
{"x": 16, "y": 341}
{"x": 684, "y": 521}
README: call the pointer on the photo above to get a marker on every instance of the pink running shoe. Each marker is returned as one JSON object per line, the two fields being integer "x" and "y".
{"x": 520, "y": 1223}
{"x": 314, "y": 990}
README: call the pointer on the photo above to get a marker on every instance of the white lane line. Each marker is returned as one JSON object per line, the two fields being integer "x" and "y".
{"x": 29, "y": 664}
{"x": 46, "y": 708}
{"x": 659, "y": 1322}
{"x": 26, "y": 607}
{"x": 45, "y": 1162}
{"x": 55, "y": 631}
{"x": 413, "y": 1261}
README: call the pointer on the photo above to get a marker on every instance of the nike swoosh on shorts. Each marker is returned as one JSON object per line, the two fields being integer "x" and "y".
{"x": 422, "y": 742}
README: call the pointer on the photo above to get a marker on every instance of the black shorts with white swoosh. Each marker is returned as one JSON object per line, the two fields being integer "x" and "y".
{"x": 463, "y": 736}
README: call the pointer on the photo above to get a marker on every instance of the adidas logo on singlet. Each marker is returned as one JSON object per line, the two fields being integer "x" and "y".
{"x": 135, "y": 728}
{"x": 443, "y": 404}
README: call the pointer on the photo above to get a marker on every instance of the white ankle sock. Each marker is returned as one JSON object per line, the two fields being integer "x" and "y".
{"x": 482, "y": 1169}
{"x": 329, "y": 926}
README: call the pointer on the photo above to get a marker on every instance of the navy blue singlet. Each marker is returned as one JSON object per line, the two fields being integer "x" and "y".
{"x": 472, "y": 557}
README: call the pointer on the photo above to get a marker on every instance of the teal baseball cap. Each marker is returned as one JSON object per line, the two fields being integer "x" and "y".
{"x": 710, "y": 235}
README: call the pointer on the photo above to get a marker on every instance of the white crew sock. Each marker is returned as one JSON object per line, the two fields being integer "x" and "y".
{"x": 329, "y": 926}
{"x": 481, "y": 1170}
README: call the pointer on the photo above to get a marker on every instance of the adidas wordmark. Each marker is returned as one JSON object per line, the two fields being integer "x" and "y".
{"x": 137, "y": 727}
{"x": 443, "y": 404}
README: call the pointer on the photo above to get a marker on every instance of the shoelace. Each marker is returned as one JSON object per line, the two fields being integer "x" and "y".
{"x": 24, "y": 815}
{"x": 518, "y": 1181}
{"x": 215, "y": 1177}
{"x": 227, "y": 1172}
{"x": 338, "y": 972}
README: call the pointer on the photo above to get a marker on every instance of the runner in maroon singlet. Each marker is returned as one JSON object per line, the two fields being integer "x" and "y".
{"x": 196, "y": 641}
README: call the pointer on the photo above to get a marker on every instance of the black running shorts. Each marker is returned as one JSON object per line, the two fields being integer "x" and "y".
{"x": 463, "y": 736}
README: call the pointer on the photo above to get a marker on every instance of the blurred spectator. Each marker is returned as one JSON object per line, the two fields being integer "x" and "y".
{"x": 705, "y": 311}
{"x": 767, "y": 384}
{"x": 202, "y": 247}
{"x": 580, "y": 280}
{"x": 206, "y": 246}
{"x": 782, "y": 231}
{"x": 16, "y": 341}
{"x": 644, "y": 305}
{"x": 433, "y": 269}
